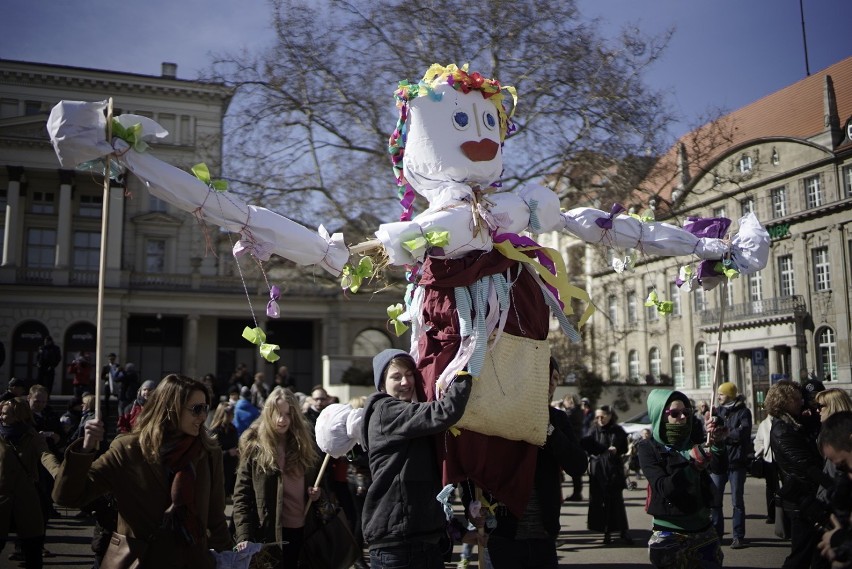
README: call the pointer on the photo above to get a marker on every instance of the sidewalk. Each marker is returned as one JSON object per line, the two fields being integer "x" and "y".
{"x": 69, "y": 538}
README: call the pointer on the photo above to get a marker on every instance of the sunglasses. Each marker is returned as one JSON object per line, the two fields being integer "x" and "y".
{"x": 200, "y": 409}
{"x": 678, "y": 413}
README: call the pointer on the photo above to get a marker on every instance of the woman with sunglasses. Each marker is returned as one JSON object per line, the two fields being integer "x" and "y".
{"x": 607, "y": 445}
{"x": 278, "y": 463}
{"x": 680, "y": 491}
{"x": 165, "y": 477}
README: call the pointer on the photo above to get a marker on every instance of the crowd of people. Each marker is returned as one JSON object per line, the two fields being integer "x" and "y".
{"x": 193, "y": 450}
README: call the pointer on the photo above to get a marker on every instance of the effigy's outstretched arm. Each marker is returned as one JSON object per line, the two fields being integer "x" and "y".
{"x": 748, "y": 249}
{"x": 77, "y": 131}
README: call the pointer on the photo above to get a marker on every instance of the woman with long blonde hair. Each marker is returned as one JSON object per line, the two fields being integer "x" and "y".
{"x": 165, "y": 476}
{"x": 278, "y": 458}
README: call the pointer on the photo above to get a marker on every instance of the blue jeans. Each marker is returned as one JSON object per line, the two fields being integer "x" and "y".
{"x": 413, "y": 555}
{"x": 737, "y": 476}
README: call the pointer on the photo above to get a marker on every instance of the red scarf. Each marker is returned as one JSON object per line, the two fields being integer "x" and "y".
{"x": 178, "y": 456}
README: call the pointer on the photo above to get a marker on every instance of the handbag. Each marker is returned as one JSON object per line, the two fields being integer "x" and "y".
{"x": 757, "y": 467}
{"x": 124, "y": 552}
{"x": 330, "y": 544}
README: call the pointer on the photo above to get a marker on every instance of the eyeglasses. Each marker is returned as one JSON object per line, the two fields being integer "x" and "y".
{"x": 678, "y": 413}
{"x": 200, "y": 409}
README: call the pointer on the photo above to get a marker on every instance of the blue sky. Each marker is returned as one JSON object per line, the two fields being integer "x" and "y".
{"x": 725, "y": 53}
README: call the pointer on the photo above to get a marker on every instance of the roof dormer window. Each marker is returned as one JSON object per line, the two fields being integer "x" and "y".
{"x": 745, "y": 164}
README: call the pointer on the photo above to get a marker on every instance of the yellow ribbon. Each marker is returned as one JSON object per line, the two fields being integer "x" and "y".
{"x": 729, "y": 272}
{"x": 431, "y": 238}
{"x": 258, "y": 337}
{"x": 559, "y": 281}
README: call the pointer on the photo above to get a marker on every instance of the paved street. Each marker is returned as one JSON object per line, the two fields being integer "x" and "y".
{"x": 69, "y": 538}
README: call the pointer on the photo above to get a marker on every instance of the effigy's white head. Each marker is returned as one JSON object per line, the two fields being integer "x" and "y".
{"x": 450, "y": 133}
{"x": 452, "y": 137}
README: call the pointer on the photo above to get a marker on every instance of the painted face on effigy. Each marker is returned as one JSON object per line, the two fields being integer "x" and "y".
{"x": 453, "y": 139}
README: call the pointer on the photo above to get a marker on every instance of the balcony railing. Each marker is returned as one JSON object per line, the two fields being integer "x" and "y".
{"x": 792, "y": 306}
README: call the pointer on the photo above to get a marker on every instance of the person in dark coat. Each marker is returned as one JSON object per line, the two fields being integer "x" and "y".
{"x": 606, "y": 445}
{"x": 398, "y": 435}
{"x": 23, "y": 453}
{"x": 17, "y": 388}
{"x": 680, "y": 492}
{"x": 128, "y": 387}
{"x": 47, "y": 358}
{"x": 731, "y": 466}
{"x": 223, "y": 430}
{"x": 575, "y": 419}
{"x": 530, "y": 541}
{"x": 800, "y": 469}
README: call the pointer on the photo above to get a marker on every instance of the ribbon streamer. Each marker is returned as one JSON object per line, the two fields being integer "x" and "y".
{"x": 353, "y": 277}
{"x": 606, "y": 222}
{"x": 272, "y": 308}
{"x": 202, "y": 172}
{"x": 394, "y": 312}
{"x": 132, "y": 135}
{"x": 663, "y": 306}
{"x": 258, "y": 337}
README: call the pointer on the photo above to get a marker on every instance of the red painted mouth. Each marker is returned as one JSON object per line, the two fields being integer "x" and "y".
{"x": 481, "y": 151}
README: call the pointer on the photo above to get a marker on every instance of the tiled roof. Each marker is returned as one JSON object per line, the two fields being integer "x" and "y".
{"x": 795, "y": 111}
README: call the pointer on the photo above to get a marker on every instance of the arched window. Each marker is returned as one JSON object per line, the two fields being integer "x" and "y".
{"x": 826, "y": 353}
{"x": 702, "y": 365}
{"x": 655, "y": 364}
{"x": 678, "y": 366}
{"x": 633, "y": 365}
{"x": 370, "y": 342}
{"x": 614, "y": 366}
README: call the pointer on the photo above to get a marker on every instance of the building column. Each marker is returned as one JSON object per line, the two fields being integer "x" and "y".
{"x": 63, "y": 226}
{"x": 12, "y": 231}
{"x": 115, "y": 236}
{"x": 190, "y": 341}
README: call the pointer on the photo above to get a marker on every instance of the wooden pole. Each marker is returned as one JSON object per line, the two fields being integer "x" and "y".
{"x": 723, "y": 292}
{"x": 317, "y": 483}
{"x": 99, "y": 348}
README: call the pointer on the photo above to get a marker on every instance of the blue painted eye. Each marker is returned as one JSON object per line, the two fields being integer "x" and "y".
{"x": 460, "y": 120}
{"x": 489, "y": 120}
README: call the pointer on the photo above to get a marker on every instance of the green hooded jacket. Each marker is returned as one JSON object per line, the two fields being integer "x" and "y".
{"x": 679, "y": 495}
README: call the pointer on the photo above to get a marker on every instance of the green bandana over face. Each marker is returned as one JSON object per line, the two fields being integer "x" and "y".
{"x": 676, "y": 433}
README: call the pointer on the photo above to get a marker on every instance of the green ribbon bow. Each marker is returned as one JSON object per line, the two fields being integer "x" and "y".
{"x": 258, "y": 337}
{"x": 353, "y": 277}
{"x": 663, "y": 307}
{"x": 202, "y": 172}
{"x": 647, "y": 216}
{"x": 431, "y": 239}
{"x": 131, "y": 135}
{"x": 394, "y": 312}
{"x": 729, "y": 272}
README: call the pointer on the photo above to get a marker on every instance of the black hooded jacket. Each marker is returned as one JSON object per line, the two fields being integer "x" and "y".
{"x": 401, "y": 506}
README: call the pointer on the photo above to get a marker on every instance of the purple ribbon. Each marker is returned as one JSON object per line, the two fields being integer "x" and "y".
{"x": 606, "y": 222}
{"x": 711, "y": 227}
{"x": 714, "y": 227}
{"x": 272, "y": 309}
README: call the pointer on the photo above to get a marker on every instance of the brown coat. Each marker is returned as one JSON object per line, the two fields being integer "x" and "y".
{"x": 19, "y": 497}
{"x": 256, "y": 498}
{"x": 142, "y": 494}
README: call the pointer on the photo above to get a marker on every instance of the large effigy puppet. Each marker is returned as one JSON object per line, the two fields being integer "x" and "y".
{"x": 482, "y": 290}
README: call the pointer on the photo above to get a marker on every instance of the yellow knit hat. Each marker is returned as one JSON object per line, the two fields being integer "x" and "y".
{"x": 728, "y": 389}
